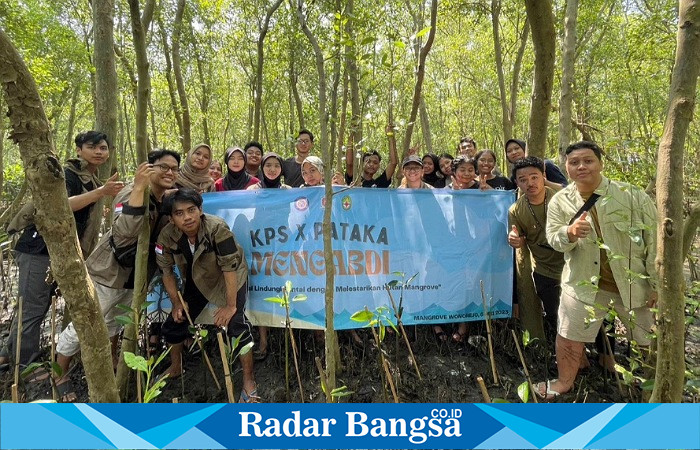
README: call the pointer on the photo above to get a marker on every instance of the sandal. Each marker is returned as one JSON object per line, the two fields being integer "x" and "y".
{"x": 260, "y": 354}
{"x": 66, "y": 393}
{"x": 249, "y": 398}
{"x": 440, "y": 335}
{"x": 545, "y": 392}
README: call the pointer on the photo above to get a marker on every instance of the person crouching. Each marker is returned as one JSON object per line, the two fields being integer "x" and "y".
{"x": 213, "y": 268}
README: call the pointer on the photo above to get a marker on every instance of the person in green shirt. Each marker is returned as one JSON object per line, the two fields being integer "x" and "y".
{"x": 609, "y": 260}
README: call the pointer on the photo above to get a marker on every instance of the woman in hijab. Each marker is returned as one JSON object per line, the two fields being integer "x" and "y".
{"x": 236, "y": 178}
{"x": 194, "y": 173}
{"x": 431, "y": 171}
{"x": 271, "y": 173}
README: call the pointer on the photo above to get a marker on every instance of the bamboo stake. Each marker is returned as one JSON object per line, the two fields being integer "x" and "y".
{"x": 488, "y": 333}
{"x": 389, "y": 378}
{"x": 608, "y": 348}
{"x": 54, "y": 391}
{"x": 403, "y": 332}
{"x": 199, "y": 341}
{"x": 522, "y": 361}
{"x": 18, "y": 352}
{"x": 484, "y": 391}
{"x": 227, "y": 370}
{"x": 294, "y": 348}
{"x": 139, "y": 398}
{"x": 324, "y": 381}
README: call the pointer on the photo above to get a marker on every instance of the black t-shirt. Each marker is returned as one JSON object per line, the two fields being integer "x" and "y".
{"x": 380, "y": 182}
{"x": 501, "y": 183}
{"x": 31, "y": 241}
{"x": 291, "y": 170}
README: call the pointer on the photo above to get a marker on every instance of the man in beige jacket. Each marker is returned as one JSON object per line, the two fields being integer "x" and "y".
{"x": 606, "y": 230}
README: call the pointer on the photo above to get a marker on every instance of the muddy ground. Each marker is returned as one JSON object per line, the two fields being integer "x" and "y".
{"x": 449, "y": 370}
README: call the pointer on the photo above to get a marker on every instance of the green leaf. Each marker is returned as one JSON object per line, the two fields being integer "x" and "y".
{"x": 400, "y": 44}
{"x": 246, "y": 348}
{"x": 398, "y": 274}
{"x": 393, "y": 283}
{"x": 300, "y": 298}
{"x": 648, "y": 385}
{"x": 524, "y": 391}
{"x": 203, "y": 333}
{"x": 412, "y": 278}
{"x": 145, "y": 305}
{"x": 422, "y": 32}
{"x": 362, "y": 316}
{"x": 382, "y": 332}
{"x": 30, "y": 368}
{"x": 288, "y": 286}
{"x": 277, "y": 300}
{"x": 56, "y": 369}
{"x": 367, "y": 40}
{"x": 123, "y": 307}
{"x": 135, "y": 362}
{"x": 124, "y": 320}
{"x": 526, "y": 338}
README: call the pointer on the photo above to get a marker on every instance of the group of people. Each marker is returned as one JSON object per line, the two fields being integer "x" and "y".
{"x": 581, "y": 238}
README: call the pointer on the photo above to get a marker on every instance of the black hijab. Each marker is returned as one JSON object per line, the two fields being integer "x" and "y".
{"x": 433, "y": 178}
{"x": 235, "y": 181}
{"x": 267, "y": 183}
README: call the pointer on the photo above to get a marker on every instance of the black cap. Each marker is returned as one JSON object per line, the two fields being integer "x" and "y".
{"x": 412, "y": 159}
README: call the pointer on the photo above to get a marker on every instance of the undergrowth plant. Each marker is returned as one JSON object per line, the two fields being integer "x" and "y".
{"x": 147, "y": 366}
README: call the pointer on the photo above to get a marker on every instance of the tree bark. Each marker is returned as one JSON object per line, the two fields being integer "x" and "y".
{"x": 293, "y": 80}
{"x": 420, "y": 75}
{"x": 2, "y": 144}
{"x": 204, "y": 99}
{"x": 498, "y": 52}
{"x": 169, "y": 77}
{"x": 71, "y": 121}
{"x": 332, "y": 350}
{"x": 670, "y": 364}
{"x": 186, "y": 139}
{"x": 343, "y": 120}
{"x": 143, "y": 92}
{"x": 106, "y": 87}
{"x": 690, "y": 228}
{"x": 334, "y": 98}
{"x": 543, "y": 39}
{"x": 568, "y": 76}
{"x": 54, "y": 219}
{"x": 354, "y": 79}
{"x": 259, "y": 68}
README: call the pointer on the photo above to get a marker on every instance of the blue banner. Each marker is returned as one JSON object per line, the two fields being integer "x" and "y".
{"x": 433, "y": 247}
{"x": 458, "y": 426}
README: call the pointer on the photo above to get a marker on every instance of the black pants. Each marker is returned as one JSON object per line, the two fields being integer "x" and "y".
{"x": 175, "y": 333}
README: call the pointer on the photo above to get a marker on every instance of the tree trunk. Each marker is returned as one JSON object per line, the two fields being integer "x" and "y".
{"x": 294, "y": 79}
{"x": 71, "y": 122}
{"x": 425, "y": 125}
{"x": 343, "y": 120}
{"x": 334, "y": 99}
{"x": 259, "y": 69}
{"x": 2, "y": 144}
{"x": 106, "y": 87}
{"x": 690, "y": 228}
{"x": 670, "y": 367}
{"x": 332, "y": 350}
{"x": 54, "y": 219}
{"x": 515, "y": 82}
{"x": 154, "y": 129}
{"x": 177, "y": 70}
{"x": 568, "y": 76}
{"x": 543, "y": 39}
{"x": 141, "y": 267}
{"x": 169, "y": 77}
{"x": 204, "y": 102}
{"x": 420, "y": 75}
{"x": 354, "y": 79}
{"x": 495, "y": 26}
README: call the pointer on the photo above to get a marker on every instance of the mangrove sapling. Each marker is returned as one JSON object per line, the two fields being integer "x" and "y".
{"x": 524, "y": 388}
{"x": 336, "y": 394}
{"x": 199, "y": 335}
{"x": 487, "y": 318}
{"x": 379, "y": 318}
{"x": 229, "y": 354}
{"x": 398, "y": 313}
{"x": 289, "y": 334}
{"x": 147, "y": 366}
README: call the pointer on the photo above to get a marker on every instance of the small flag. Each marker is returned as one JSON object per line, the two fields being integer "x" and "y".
{"x": 159, "y": 249}
{"x": 118, "y": 208}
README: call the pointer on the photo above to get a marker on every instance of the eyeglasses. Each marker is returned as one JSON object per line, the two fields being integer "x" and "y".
{"x": 164, "y": 168}
{"x": 303, "y": 141}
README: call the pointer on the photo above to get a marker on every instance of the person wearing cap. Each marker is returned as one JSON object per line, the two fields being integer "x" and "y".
{"x": 370, "y": 164}
{"x": 609, "y": 251}
{"x": 516, "y": 149}
{"x": 236, "y": 176}
{"x": 412, "y": 168}
{"x": 291, "y": 167}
